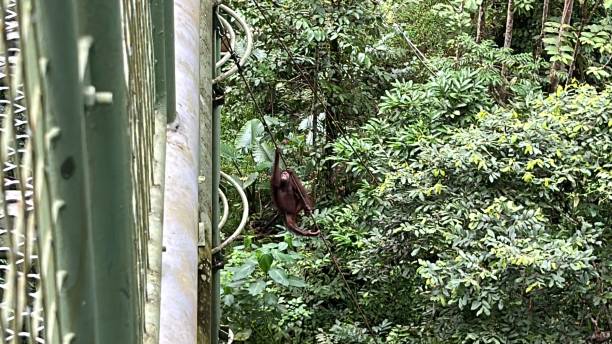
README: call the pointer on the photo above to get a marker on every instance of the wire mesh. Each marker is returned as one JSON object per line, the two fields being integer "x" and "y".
{"x": 21, "y": 304}
{"x": 21, "y": 317}
{"x": 141, "y": 110}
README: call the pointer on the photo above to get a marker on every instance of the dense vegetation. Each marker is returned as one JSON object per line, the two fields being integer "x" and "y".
{"x": 465, "y": 187}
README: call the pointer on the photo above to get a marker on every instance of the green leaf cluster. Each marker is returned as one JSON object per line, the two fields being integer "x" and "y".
{"x": 502, "y": 224}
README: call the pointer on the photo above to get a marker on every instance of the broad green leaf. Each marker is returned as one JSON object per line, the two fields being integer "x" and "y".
{"x": 532, "y": 286}
{"x": 251, "y": 178}
{"x": 264, "y": 152}
{"x": 471, "y": 5}
{"x": 257, "y": 287}
{"x": 228, "y": 300}
{"x": 265, "y": 262}
{"x": 244, "y": 271}
{"x": 272, "y": 121}
{"x": 243, "y": 336}
{"x": 270, "y": 299}
{"x": 228, "y": 151}
{"x": 297, "y": 282}
{"x": 475, "y": 305}
{"x": 279, "y": 276}
{"x": 249, "y": 134}
{"x": 361, "y": 57}
{"x": 247, "y": 241}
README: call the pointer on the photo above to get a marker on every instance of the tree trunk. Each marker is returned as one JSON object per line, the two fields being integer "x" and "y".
{"x": 509, "y": 24}
{"x": 539, "y": 43}
{"x": 315, "y": 118}
{"x": 315, "y": 113}
{"x": 556, "y": 66}
{"x": 480, "y": 24}
{"x": 508, "y": 34}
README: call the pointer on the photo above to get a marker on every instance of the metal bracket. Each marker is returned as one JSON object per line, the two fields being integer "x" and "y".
{"x": 218, "y": 95}
{"x": 91, "y": 96}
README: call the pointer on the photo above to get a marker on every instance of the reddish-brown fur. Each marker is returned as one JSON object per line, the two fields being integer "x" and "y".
{"x": 290, "y": 196}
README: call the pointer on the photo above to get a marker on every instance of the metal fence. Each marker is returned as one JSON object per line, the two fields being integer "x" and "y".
{"x": 141, "y": 89}
{"x": 85, "y": 93}
{"x": 21, "y": 316}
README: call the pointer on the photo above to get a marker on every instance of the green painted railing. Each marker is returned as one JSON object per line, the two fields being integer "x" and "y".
{"x": 86, "y": 90}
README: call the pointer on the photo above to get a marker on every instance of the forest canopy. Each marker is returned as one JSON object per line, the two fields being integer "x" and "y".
{"x": 460, "y": 155}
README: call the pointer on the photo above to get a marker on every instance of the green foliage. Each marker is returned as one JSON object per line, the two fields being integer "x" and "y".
{"x": 336, "y": 43}
{"x": 596, "y": 40}
{"x": 454, "y": 16}
{"x": 460, "y": 91}
{"x": 424, "y": 23}
{"x": 584, "y": 44}
{"x": 466, "y": 207}
{"x": 524, "y": 6}
{"x": 559, "y": 47}
{"x": 504, "y": 221}
{"x": 258, "y": 279}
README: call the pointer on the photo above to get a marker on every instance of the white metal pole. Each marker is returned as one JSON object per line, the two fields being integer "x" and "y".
{"x": 178, "y": 323}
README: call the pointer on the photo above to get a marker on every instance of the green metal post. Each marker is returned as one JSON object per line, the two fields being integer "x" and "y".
{"x": 170, "y": 59}
{"x": 205, "y": 301}
{"x": 64, "y": 220}
{"x": 160, "y": 40}
{"x": 118, "y": 318}
{"x": 216, "y": 166}
{"x": 86, "y": 222}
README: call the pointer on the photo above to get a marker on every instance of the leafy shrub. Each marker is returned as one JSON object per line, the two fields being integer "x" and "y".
{"x": 505, "y": 222}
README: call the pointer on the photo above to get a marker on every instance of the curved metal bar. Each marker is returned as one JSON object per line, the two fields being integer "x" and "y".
{"x": 229, "y": 29}
{"x": 249, "y": 46}
{"x": 245, "y": 214}
{"x": 229, "y": 333}
{"x": 225, "y": 209}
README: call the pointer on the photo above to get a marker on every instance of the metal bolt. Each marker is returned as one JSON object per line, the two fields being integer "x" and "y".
{"x": 104, "y": 97}
{"x": 91, "y": 97}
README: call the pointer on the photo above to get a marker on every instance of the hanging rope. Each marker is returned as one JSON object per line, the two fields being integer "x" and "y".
{"x": 260, "y": 113}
